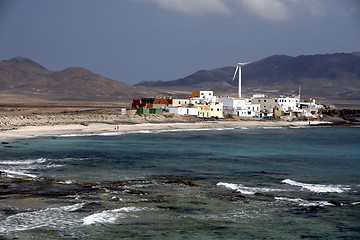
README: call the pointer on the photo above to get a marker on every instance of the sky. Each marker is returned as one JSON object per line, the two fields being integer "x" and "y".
{"x": 149, "y": 40}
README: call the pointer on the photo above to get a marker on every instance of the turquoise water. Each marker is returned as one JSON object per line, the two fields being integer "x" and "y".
{"x": 244, "y": 183}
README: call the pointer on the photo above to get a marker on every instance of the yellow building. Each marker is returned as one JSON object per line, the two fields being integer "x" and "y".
{"x": 210, "y": 110}
{"x": 203, "y": 111}
{"x": 216, "y": 110}
{"x": 180, "y": 102}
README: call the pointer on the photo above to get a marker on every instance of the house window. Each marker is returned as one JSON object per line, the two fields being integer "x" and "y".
{"x": 212, "y": 109}
{"x": 264, "y": 100}
{"x": 218, "y": 109}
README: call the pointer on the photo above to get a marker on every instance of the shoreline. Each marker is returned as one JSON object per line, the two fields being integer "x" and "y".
{"x": 75, "y": 129}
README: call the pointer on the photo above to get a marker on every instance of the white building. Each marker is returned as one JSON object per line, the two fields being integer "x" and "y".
{"x": 241, "y": 106}
{"x": 291, "y": 102}
{"x": 310, "y": 103}
{"x": 233, "y": 102}
{"x": 184, "y": 110}
{"x": 199, "y": 97}
{"x": 248, "y": 110}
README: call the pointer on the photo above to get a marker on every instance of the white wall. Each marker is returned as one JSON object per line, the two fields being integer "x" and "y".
{"x": 291, "y": 102}
{"x": 233, "y": 102}
{"x": 184, "y": 111}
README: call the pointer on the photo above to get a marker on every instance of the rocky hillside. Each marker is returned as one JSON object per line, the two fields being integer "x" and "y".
{"x": 22, "y": 80}
{"x": 334, "y": 77}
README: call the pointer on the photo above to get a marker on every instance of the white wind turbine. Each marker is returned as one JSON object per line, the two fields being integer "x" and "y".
{"x": 238, "y": 68}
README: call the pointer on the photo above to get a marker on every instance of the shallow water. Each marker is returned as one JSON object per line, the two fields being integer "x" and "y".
{"x": 247, "y": 183}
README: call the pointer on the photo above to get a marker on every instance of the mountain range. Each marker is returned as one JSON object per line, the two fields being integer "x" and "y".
{"x": 331, "y": 78}
{"x": 24, "y": 80}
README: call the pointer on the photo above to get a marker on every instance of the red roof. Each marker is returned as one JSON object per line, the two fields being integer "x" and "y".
{"x": 162, "y": 101}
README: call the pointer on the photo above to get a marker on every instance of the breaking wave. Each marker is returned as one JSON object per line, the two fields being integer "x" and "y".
{"x": 61, "y": 217}
{"x": 247, "y": 190}
{"x": 22, "y": 168}
{"x": 110, "y": 216}
{"x": 23, "y": 162}
{"x": 304, "y": 203}
{"x": 17, "y": 173}
{"x": 272, "y": 127}
{"x": 318, "y": 188}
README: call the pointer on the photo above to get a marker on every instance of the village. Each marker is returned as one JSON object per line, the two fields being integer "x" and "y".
{"x": 204, "y": 104}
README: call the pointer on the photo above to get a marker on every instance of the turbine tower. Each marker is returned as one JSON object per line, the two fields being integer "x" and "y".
{"x": 238, "y": 69}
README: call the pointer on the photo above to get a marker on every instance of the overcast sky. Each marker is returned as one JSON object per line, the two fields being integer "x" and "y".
{"x": 138, "y": 40}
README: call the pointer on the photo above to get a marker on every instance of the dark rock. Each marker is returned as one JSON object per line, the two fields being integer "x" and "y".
{"x": 181, "y": 181}
{"x": 335, "y": 203}
{"x": 120, "y": 183}
{"x": 238, "y": 198}
{"x": 10, "y": 147}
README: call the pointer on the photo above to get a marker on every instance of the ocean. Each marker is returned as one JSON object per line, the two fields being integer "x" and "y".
{"x": 238, "y": 183}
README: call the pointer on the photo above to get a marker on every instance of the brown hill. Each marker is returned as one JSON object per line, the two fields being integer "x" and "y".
{"x": 330, "y": 77}
{"x": 23, "y": 80}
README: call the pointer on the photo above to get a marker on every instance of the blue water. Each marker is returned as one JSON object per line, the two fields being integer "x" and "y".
{"x": 245, "y": 183}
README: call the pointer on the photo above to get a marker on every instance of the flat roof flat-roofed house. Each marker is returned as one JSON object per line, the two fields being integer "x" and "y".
{"x": 193, "y": 111}
{"x": 242, "y": 107}
{"x": 210, "y": 110}
{"x": 216, "y": 110}
{"x": 198, "y": 97}
{"x": 178, "y": 102}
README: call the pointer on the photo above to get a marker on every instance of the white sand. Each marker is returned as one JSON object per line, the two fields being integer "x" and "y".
{"x": 97, "y": 128}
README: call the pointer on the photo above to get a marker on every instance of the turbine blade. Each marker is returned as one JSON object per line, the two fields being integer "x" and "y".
{"x": 236, "y": 70}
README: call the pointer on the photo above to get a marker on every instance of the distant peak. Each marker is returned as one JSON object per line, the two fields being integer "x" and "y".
{"x": 23, "y": 62}
{"x": 77, "y": 71}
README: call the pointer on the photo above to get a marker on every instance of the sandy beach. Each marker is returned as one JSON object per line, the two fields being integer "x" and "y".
{"x": 15, "y": 127}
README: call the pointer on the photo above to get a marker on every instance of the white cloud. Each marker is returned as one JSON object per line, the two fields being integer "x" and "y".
{"x": 267, "y": 9}
{"x": 194, "y": 7}
{"x": 272, "y": 10}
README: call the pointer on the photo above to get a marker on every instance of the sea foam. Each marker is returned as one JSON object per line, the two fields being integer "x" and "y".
{"x": 60, "y": 217}
{"x": 318, "y": 188}
{"x": 20, "y": 168}
{"x": 23, "y": 162}
{"x": 247, "y": 190}
{"x": 18, "y": 173}
{"x": 110, "y": 216}
{"x": 304, "y": 203}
